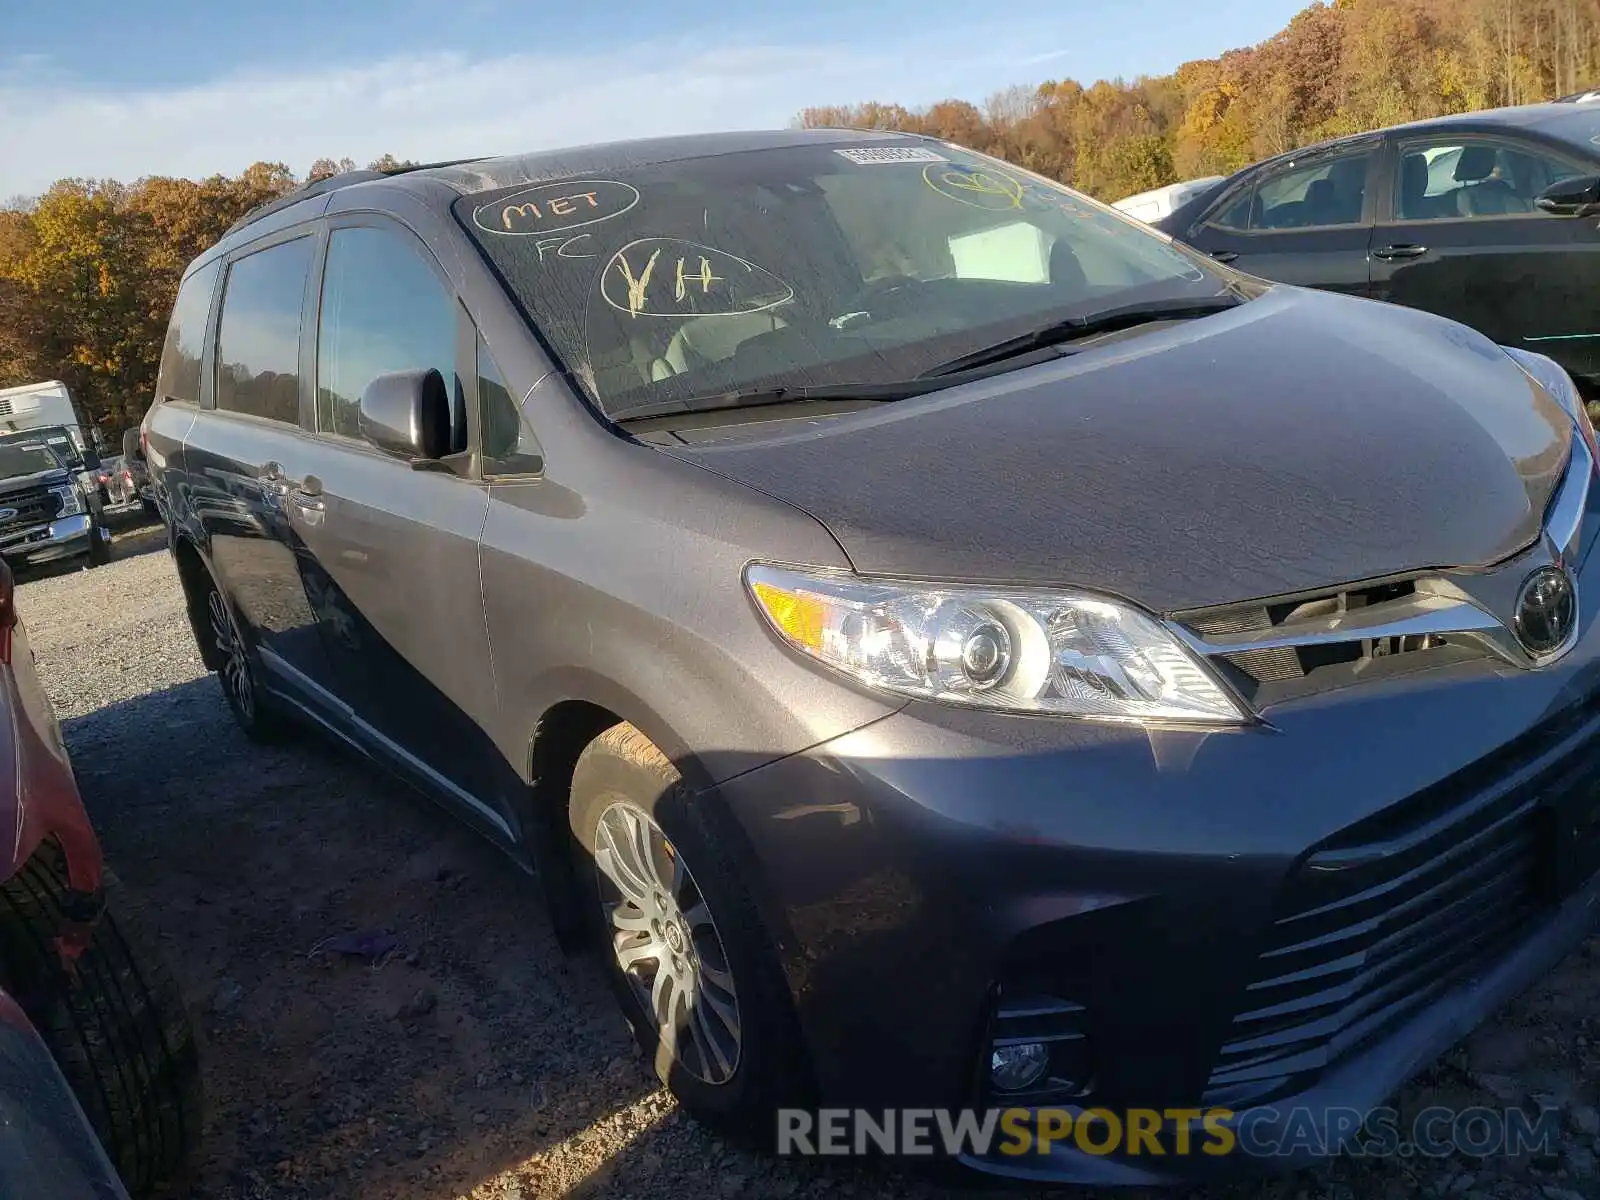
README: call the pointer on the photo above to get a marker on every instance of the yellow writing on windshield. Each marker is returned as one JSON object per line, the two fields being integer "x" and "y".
{"x": 556, "y": 206}
{"x": 705, "y": 278}
{"x": 636, "y": 287}
{"x": 980, "y": 189}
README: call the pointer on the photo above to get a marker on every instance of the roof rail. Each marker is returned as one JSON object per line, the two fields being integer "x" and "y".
{"x": 333, "y": 183}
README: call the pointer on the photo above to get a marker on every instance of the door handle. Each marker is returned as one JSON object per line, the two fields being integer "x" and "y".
{"x": 307, "y": 494}
{"x": 272, "y": 479}
{"x": 1396, "y": 253}
{"x": 1224, "y": 256}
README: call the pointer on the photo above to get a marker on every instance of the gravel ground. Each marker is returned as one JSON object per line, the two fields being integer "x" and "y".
{"x": 476, "y": 1062}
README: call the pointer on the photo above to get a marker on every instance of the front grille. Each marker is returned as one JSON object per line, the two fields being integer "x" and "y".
{"x": 1286, "y": 662}
{"x": 1397, "y": 910}
{"x": 31, "y": 508}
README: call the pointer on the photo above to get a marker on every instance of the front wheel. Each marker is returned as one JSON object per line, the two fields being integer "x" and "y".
{"x": 680, "y": 940}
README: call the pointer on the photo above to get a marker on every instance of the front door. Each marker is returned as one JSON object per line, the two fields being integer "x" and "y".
{"x": 1461, "y": 236}
{"x": 396, "y": 579}
{"x": 1305, "y": 221}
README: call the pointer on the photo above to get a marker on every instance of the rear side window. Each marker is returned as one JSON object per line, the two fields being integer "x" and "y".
{"x": 383, "y": 310}
{"x": 1443, "y": 179}
{"x": 258, "y": 337}
{"x": 179, "y": 378}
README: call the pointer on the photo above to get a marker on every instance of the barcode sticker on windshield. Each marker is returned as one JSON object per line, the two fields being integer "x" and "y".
{"x": 871, "y": 156}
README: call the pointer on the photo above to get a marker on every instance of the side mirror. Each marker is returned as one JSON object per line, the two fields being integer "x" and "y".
{"x": 407, "y": 414}
{"x": 1576, "y": 197}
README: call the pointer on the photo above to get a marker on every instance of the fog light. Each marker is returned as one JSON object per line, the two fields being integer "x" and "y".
{"x": 1019, "y": 1066}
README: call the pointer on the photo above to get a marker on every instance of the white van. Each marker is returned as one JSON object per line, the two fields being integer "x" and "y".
{"x": 37, "y": 405}
{"x": 50, "y": 406}
{"x": 1164, "y": 201}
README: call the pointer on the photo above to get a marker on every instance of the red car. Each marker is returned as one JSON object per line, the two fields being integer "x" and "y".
{"x": 95, "y": 1044}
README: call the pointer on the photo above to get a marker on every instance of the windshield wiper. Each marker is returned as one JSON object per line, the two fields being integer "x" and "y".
{"x": 756, "y": 397}
{"x": 1072, "y": 329}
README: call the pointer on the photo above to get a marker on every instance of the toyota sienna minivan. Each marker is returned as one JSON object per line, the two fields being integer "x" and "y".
{"x": 939, "y": 642}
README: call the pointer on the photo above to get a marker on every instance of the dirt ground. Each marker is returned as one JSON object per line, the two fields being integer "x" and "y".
{"x": 475, "y": 1062}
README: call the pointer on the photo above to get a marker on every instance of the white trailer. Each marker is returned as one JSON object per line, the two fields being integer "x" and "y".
{"x": 47, "y": 404}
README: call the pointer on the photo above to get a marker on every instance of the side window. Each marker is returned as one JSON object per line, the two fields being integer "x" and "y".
{"x": 1327, "y": 191}
{"x": 509, "y": 447}
{"x": 179, "y": 376}
{"x": 1235, "y": 211}
{"x": 258, "y": 337}
{"x": 1439, "y": 180}
{"x": 383, "y": 310}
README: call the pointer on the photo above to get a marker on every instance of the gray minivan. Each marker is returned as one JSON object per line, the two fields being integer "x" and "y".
{"x": 943, "y": 644}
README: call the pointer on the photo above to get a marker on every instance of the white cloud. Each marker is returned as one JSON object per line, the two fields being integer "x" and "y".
{"x": 447, "y": 105}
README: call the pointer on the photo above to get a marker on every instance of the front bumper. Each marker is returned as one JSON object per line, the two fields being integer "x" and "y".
{"x": 1298, "y": 915}
{"x": 61, "y": 538}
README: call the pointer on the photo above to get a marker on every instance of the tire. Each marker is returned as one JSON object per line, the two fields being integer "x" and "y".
{"x": 257, "y": 714}
{"x": 116, "y": 1026}
{"x": 99, "y": 545}
{"x": 734, "y": 1086}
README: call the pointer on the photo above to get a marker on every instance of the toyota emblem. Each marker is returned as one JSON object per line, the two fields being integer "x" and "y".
{"x": 1547, "y": 610}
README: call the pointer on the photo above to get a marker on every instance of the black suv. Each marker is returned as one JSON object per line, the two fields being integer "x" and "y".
{"x": 942, "y": 643}
{"x": 46, "y": 514}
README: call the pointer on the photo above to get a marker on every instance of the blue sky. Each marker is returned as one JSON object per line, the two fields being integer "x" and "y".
{"x": 180, "y": 87}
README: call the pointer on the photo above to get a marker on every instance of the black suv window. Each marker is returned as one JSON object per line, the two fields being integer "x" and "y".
{"x": 383, "y": 310}
{"x": 1329, "y": 190}
{"x": 179, "y": 378}
{"x": 258, "y": 338}
{"x": 1445, "y": 178}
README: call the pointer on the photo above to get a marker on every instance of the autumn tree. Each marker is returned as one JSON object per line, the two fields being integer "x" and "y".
{"x": 387, "y": 162}
{"x": 89, "y": 273}
{"x": 327, "y": 168}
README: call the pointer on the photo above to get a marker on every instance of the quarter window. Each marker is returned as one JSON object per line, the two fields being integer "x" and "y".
{"x": 509, "y": 447}
{"x": 186, "y": 334}
{"x": 258, "y": 338}
{"x": 383, "y": 310}
{"x": 1443, "y": 180}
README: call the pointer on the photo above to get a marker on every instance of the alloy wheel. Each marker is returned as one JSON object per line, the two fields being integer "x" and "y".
{"x": 235, "y": 672}
{"x": 666, "y": 944}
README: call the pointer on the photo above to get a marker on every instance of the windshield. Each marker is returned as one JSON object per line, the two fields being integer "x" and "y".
{"x": 807, "y": 266}
{"x": 58, "y": 439}
{"x": 26, "y": 458}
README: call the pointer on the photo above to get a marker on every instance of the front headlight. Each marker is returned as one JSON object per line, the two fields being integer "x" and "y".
{"x": 71, "y": 501}
{"x": 1046, "y": 652}
{"x": 1552, "y": 376}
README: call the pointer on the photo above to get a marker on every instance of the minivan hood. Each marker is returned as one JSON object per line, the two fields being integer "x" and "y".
{"x": 1300, "y": 441}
